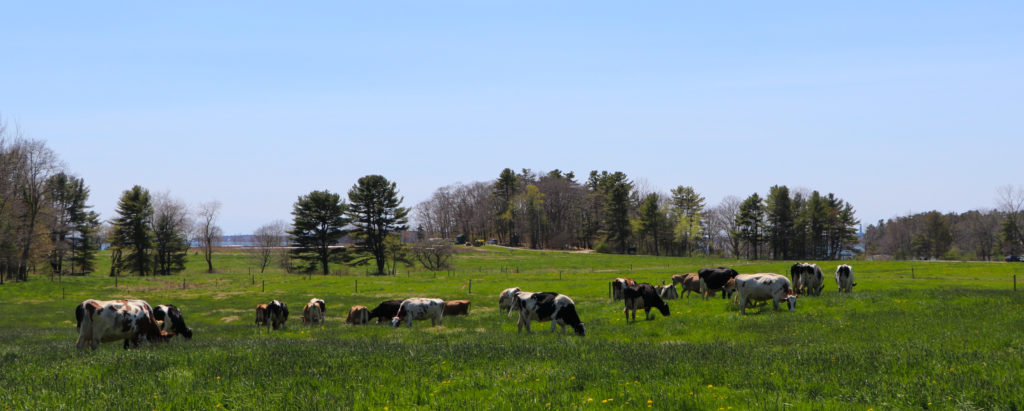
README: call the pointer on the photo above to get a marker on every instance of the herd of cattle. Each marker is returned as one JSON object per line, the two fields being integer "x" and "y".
{"x": 135, "y": 320}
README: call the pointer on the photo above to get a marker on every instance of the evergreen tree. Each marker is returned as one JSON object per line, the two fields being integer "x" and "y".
{"x": 504, "y": 192}
{"x": 614, "y": 189}
{"x": 750, "y": 221}
{"x": 375, "y": 212}
{"x": 536, "y": 220}
{"x": 73, "y": 224}
{"x": 319, "y": 222}
{"x": 651, "y": 223}
{"x": 133, "y": 235}
{"x": 780, "y": 222}
{"x": 170, "y": 235}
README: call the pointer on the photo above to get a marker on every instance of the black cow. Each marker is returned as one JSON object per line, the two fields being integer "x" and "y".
{"x": 643, "y": 296}
{"x": 554, "y": 307}
{"x": 386, "y": 310}
{"x": 173, "y": 322}
{"x": 716, "y": 279}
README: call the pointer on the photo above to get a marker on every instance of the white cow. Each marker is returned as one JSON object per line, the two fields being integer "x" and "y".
{"x": 554, "y": 307}
{"x": 667, "y": 292}
{"x": 419, "y": 309}
{"x": 506, "y": 297}
{"x": 844, "y": 278}
{"x": 764, "y": 286}
{"x": 106, "y": 321}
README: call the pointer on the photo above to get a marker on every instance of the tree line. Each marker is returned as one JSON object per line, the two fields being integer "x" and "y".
{"x": 609, "y": 212}
{"x": 971, "y": 235}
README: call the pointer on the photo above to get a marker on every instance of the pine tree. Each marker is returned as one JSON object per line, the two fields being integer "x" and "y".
{"x": 375, "y": 212}
{"x": 504, "y": 192}
{"x": 780, "y": 222}
{"x": 688, "y": 207}
{"x": 750, "y": 221}
{"x": 319, "y": 223}
{"x": 132, "y": 233}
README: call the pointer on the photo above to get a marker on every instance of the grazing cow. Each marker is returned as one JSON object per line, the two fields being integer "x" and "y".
{"x": 554, "y": 307}
{"x": 844, "y": 278}
{"x": 419, "y": 309}
{"x": 643, "y": 297}
{"x": 106, "y": 321}
{"x": 358, "y": 315}
{"x": 456, "y": 307}
{"x": 667, "y": 292}
{"x": 807, "y": 278}
{"x": 262, "y": 315}
{"x": 312, "y": 313}
{"x": 171, "y": 320}
{"x": 689, "y": 283}
{"x": 763, "y": 287}
{"x": 506, "y": 297}
{"x": 618, "y": 285}
{"x": 386, "y": 310}
{"x": 715, "y": 279}
{"x": 277, "y": 314}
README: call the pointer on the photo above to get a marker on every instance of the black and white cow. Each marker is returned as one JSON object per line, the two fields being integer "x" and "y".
{"x": 667, "y": 292}
{"x": 171, "y": 320}
{"x": 419, "y": 309}
{"x": 715, "y": 279}
{"x": 807, "y": 278}
{"x": 277, "y": 314}
{"x": 546, "y": 306}
{"x": 386, "y": 310}
{"x": 763, "y": 287}
{"x": 844, "y": 278}
{"x": 643, "y": 296}
{"x": 106, "y": 321}
{"x": 506, "y": 297}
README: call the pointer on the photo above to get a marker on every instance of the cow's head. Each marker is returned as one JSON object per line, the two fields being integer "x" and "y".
{"x": 664, "y": 309}
{"x": 791, "y": 301}
{"x": 396, "y": 321}
{"x": 580, "y": 329}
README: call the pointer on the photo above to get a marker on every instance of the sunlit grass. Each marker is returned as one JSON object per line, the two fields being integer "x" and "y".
{"x": 912, "y": 335}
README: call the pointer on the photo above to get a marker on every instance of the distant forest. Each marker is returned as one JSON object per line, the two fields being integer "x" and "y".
{"x": 47, "y": 225}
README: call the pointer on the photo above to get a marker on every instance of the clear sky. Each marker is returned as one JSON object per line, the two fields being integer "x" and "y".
{"x": 896, "y": 107}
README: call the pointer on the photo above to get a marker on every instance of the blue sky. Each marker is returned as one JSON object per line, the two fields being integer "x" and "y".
{"x": 896, "y": 108}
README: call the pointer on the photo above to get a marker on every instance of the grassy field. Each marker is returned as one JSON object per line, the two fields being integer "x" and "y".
{"x": 928, "y": 335}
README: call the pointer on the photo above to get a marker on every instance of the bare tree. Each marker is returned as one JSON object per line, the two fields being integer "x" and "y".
{"x": 209, "y": 234}
{"x": 269, "y": 240}
{"x": 433, "y": 255}
{"x": 722, "y": 224}
{"x": 35, "y": 164}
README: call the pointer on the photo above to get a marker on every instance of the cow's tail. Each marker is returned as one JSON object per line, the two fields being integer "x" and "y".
{"x": 85, "y": 326}
{"x": 703, "y": 286}
{"x": 79, "y": 314}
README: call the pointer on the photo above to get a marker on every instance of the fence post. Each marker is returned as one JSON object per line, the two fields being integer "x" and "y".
{"x": 182, "y": 283}
{"x": 471, "y": 286}
{"x": 357, "y": 287}
{"x": 115, "y": 281}
{"x": 263, "y": 286}
{"x": 911, "y": 272}
{"x": 1015, "y": 283}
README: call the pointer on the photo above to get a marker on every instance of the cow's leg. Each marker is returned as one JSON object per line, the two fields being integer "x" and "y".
{"x": 743, "y": 304}
{"x": 626, "y": 311}
{"x": 647, "y": 313}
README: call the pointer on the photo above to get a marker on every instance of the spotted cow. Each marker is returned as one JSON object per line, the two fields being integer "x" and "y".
{"x": 419, "y": 309}
{"x": 618, "y": 285}
{"x": 844, "y": 278}
{"x": 764, "y": 287}
{"x": 554, "y": 307}
{"x": 506, "y": 297}
{"x": 106, "y": 321}
{"x": 171, "y": 320}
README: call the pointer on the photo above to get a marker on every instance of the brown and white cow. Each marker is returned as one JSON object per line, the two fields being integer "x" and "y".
{"x": 554, "y": 307}
{"x": 106, "y": 321}
{"x": 419, "y": 309}
{"x": 667, "y": 292}
{"x": 456, "y": 307}
{"x": 643, "y": 297}
{"x": 688, "y": 283}
{"x": 506, "y": 297}
{"x": 618, "y": 285}
{"x": 313, "y": 312}
{"x": 262, "y": 315}
{"x": 844, "y": 278}
{"x": 763, "y": 287}
{"x": 358, "y": 315}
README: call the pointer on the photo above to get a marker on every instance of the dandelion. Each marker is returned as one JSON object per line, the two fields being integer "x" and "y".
{"x": 711, "y": 386}
{"x": 573, "y": 377}
{"x": 650, "y": 401}
{"x": 547, "y": 404}
{"x": 589, "y": 399}
{"x": 604, "y": 401}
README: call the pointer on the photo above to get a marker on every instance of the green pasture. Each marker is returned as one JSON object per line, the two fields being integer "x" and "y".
{"x": 913, "y": 335}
